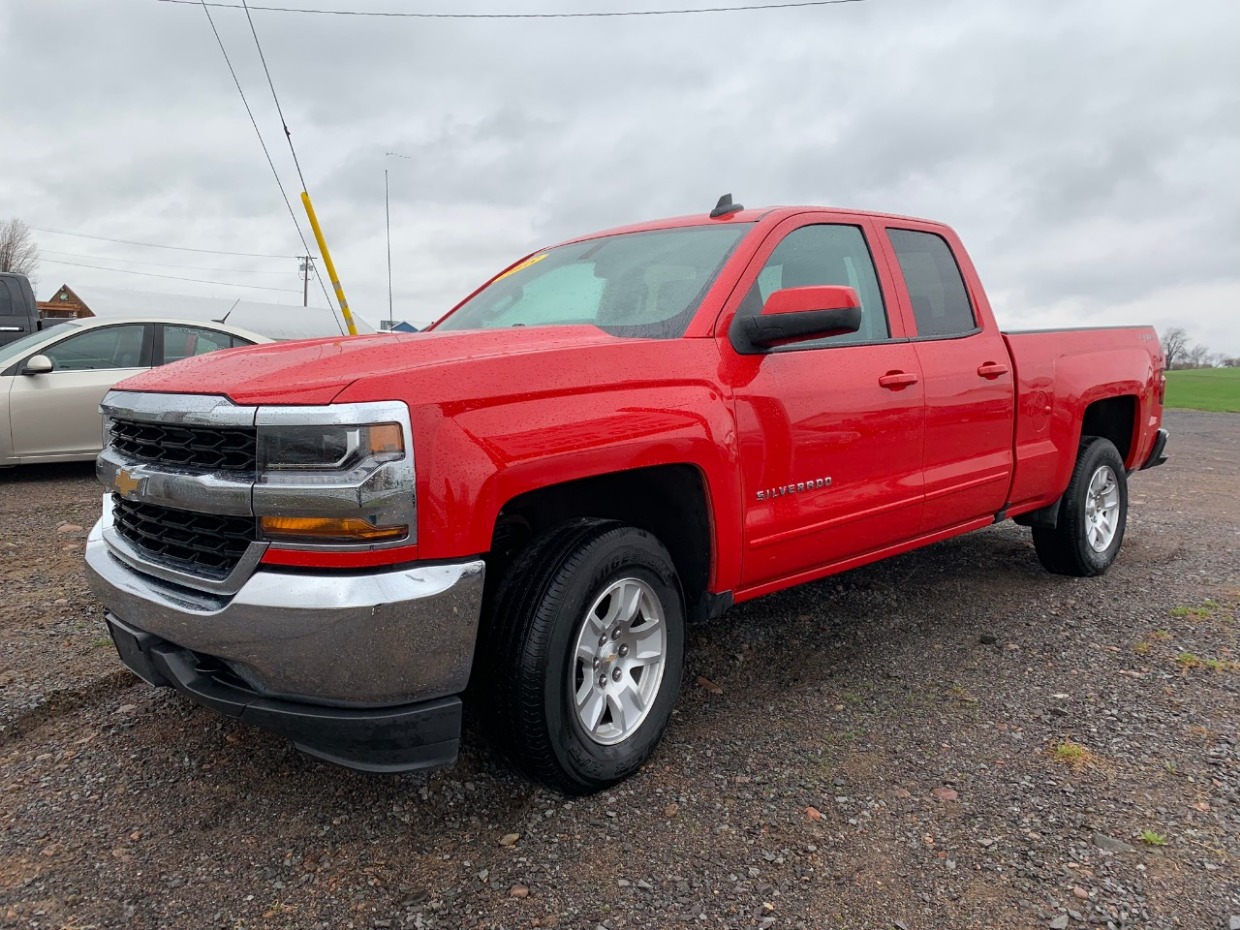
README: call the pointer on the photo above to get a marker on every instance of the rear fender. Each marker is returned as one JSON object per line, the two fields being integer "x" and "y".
{"x": 1074, "y": 383}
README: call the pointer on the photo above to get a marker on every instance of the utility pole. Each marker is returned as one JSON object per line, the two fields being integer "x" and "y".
{"x": 329, "y": 264}
{"x": 387, "y": 216}
{"x": 305, "y": 280}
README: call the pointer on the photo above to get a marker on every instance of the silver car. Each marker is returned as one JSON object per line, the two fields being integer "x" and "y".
{"x": 51, "y": 382}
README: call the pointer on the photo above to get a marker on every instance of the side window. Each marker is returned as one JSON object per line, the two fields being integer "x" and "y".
{"x": 8, "y": 306}
{"x": 105, "y": 347}
{"x": 940, "y": 301}
{"x": 825, "y": 254}
{"x": 184, "y": 341}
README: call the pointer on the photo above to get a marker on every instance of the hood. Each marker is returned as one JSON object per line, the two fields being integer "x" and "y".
{"x": 316, "y": 371}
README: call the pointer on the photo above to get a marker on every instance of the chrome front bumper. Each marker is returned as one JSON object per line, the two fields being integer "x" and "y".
{"x": 348, "y": 640}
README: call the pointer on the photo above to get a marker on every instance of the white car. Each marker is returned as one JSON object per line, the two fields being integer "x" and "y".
{"x": 51, "y": 382}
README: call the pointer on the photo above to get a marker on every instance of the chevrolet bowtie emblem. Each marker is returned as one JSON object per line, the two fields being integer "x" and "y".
{"x": 126, "y": 483}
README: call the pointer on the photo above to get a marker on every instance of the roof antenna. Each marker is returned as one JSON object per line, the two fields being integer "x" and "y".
{"x": 725, "y": 207}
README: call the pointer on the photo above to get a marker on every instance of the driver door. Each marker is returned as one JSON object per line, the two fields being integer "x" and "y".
{"x": 830, "y": 430}
{"x": 57, "y": 413}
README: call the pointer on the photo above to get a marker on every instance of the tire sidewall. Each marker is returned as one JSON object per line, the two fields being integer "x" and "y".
{"x": 639, "y": 556}
{"x": 1100, "y": 453}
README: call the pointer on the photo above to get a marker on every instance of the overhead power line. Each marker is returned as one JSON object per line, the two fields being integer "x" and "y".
{"x": 270, "y": 83}
{"x": 171, "y": 277}
{"x": 327, "y": 259}
{"x": 261, "y": 141}
{"x": 156, "y": 245}
{"x": 142, "y": 261}
{"x": 583, "y": 14}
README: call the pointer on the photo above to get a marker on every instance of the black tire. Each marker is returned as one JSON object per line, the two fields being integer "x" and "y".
{"x": 540, "y": 609}
{"x": 1066, "y": 549}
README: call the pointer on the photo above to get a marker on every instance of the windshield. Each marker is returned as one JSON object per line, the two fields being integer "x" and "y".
{"x": 645, "y": 284}
{"x": 15, "y": 350}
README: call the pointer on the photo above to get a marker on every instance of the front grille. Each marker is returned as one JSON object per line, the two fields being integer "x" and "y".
{"x": 199, "y": 543}
{"x": 231, "y": 448}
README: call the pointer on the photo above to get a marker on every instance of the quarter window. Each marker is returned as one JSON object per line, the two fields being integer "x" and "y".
{"x": 935, "y": 286}
{"x": 818, "y": 255}
{"x": 105, "y": 347}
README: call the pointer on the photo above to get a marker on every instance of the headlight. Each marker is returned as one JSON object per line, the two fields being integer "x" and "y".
{"x": 330, "y": 447}
{"x": 335, "y": 477}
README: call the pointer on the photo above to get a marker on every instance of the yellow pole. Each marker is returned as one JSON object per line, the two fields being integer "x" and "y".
{"x": 327, "y": 261}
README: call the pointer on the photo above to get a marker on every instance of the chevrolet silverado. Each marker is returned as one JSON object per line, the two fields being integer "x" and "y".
{"x": 609, "y": 439}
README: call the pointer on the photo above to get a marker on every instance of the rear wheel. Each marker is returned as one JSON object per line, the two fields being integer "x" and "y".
{"x": 586, "y": 660}
{"x": 1092, "y": 514}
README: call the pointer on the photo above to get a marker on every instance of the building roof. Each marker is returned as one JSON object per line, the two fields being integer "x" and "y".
{"x": 277, "y": 321}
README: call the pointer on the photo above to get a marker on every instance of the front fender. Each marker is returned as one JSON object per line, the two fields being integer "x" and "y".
{"x": 482, "y": 457}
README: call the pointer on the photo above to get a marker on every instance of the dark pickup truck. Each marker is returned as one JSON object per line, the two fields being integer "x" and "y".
{"x": 19, "y": 314}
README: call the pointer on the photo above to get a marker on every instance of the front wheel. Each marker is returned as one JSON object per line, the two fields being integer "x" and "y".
{"x": 586, "y": 660}
{"x": 1092, "y": 514}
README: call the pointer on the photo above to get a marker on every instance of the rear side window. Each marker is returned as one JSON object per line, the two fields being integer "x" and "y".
{"x": 935, "y": 286}
{"x": 8, "y": 306}
{"x": 185, "y": 341}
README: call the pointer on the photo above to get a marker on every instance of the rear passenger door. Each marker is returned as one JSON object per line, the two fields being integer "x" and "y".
{"x": 966, "y": 370}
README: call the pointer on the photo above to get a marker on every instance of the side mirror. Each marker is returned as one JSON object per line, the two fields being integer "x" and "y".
{"x": 38, "y": 365}
{"x": 795, "y": 314}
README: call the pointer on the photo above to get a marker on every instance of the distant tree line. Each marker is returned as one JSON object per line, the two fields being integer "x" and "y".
{"x": 1182, "y": 352}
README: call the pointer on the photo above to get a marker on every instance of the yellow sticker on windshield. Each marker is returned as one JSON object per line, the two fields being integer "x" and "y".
{"x": 533, "y": 260}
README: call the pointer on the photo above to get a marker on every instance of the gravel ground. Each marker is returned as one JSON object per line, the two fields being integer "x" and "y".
{"x": 950, "y": 739}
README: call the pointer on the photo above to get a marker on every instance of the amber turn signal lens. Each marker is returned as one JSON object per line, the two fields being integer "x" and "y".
{"x": 385, "y": 437}
{"x": 328, "y": 529}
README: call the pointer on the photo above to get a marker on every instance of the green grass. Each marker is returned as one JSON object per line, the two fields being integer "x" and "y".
{"x": 1071, "y": 752}
{"x": 1215, "y": 389}
{"x": 1153, "y": 838}
{"x": 1195, "y": 613}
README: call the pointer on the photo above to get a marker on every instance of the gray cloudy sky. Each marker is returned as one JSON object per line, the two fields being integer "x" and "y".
{"x": 1087, "y": 151}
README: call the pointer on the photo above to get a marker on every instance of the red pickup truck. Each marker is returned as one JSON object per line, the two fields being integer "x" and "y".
{"x": 612, "y": 438}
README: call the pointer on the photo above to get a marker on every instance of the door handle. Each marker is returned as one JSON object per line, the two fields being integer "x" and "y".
{"x": 897, "y": 380}
{"x": 992, "y": 370}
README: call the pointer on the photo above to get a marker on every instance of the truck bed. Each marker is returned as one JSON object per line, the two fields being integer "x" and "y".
{"x": 1060, "y": 372}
